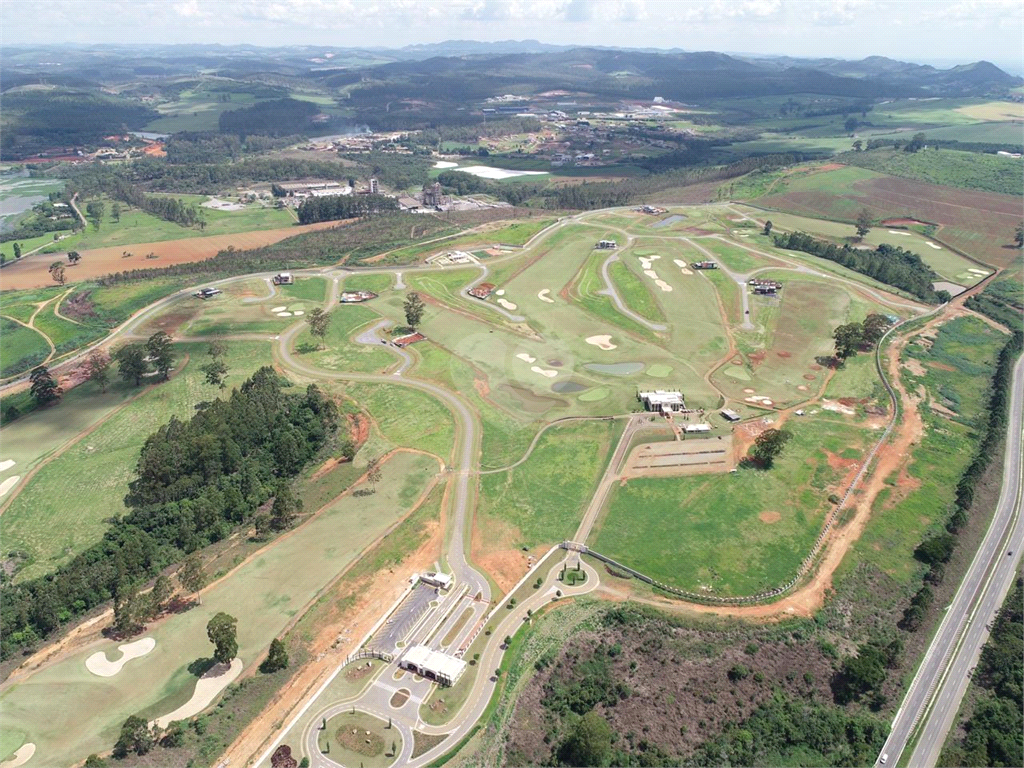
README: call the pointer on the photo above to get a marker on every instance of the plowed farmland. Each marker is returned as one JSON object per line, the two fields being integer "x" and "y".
{"x": 32, "y": 272}
{"x": 980, "y": 224}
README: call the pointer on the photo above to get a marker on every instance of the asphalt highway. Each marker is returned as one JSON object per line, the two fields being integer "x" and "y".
{"x": 934, "y": 695}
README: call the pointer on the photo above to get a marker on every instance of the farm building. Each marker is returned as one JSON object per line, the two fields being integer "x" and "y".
{"x": 729, "y": 415}
{"x": 482, "y": 291}
{"x": 698, "y": 428}
{"x": 412, "y": 338}
{"x": 766, "y": 290}
{"x": 433, "y": 665}
{"x": 607, "y": 244}
{"x": 662, "y": 401}
{"x": 437, "y": 579}
{"x": 285, "y": 278}
{"x": 773, "y": 284}
{"x": 207, "y": 293}
{"x": 705, "y": 265}
{"x": 354, "y": 297}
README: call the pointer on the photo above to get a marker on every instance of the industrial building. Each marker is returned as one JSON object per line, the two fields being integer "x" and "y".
{"x": 207, "y": 293}
{"x": 662, "y": 401}
{"x": 284, "y": 278}
{"x": 729, "y": 415}
{"x": 433, "y": 665}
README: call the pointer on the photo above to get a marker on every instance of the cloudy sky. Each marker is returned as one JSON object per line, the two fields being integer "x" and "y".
{"x": 920, "y": 30}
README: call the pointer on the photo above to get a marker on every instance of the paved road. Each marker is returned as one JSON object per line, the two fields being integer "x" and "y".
{"x": 934, "y": 695}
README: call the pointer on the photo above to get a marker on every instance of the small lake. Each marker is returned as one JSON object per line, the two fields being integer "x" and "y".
{"x": 615, "y": 369}
{"x": 568, "y": 387}
{"x": 669, "y": 221}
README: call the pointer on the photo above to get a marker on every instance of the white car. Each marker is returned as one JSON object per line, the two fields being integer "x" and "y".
{"x": 884, "y": 758}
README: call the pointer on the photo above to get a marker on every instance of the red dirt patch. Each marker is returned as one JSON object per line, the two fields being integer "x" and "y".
{"x": 784, "y": 354}
{"x": 757, "y": 358}
{"x": 940, "y": 366}
{"x": 769, "y": 517}
{"x": 810, "y": 376}
{"x": 736, "y": 362}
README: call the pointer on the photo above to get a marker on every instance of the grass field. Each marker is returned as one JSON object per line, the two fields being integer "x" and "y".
{"x": 378, "y": 283}
{"x": 543, "y": 499}
{"x": 63, "y": 509}
{"x": 345, "y": 740}
{"x": 716, "y": 533}
{"x": 634, "y": 292}
{"x": 341, "y": 353}
{"x": 408, "y": 418}
{"x": 307, "y": 289}
{"x": 23, "y": 348}
{"x": 969, "y": 170}
{"x": 264, "y": 593}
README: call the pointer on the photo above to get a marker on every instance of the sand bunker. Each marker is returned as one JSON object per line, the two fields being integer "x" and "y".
{"x": 604, "y": 341}
{"x": 526, "y": 358}
{"x": 100, "y": 665}
{"x": 651, "y": 274}
{"x": 500, "y": 292}
{"x": 507, "y": 304}
{"x": 445, "y": 164}
{"x": 663, "y": 285}
{"x": 21, "y": 756}
{"x": 207, "y": 688}
{"x": 748, "y": 391}
{"x": 7, "y": 484}
{"x": 979, "y": 271}
{"x": 759, "y": 399}
{"x": 544, "y": 371}
{"x": 279, "y": 309}
{"x": 933, "y": 245}
{"x": 298, "y": 313}
{"x": 894, "y": 232}
{"x": 6, "y": 464}
{"x": 284, "y": 314}
{"x": 646, "y": 261}
{"x": 830, "y": 405}
{"x": 801, "y": 387}
{"x": 543, "y": 296}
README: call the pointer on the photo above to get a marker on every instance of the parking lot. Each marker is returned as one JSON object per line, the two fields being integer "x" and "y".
{"x": 404, "y": 618}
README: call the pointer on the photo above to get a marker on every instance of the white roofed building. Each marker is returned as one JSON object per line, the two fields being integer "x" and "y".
{"x": 433, "y": 665}
{"x": 662, "y": 400}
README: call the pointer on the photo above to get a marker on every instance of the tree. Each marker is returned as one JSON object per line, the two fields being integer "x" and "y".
{"x": 858, "y": 145}
{"x": 135, "y": 737}
{"x": 217, "y": 349}
{"x": 159, "y": 348}
{"x": 851, "y": 124}
{"x": 864, "y": 222}
{"x": 286, "y": 506}
{"x": 1018, "y": 237}
{"x": 915, "y": 144}
{"x": 128, "y": 608}
{"x": 318, "y": 321}
{"x": 192, "y": 575}
{"x": 94, "y": 210}
{"x": 97, "y": 366}
{"x": 131, "y": 363}
{"x": 223, "y": 633}
{"x": 589, "y": 744}
{"x": 17, "y": 250}
{"x": 768, "y": 445}
{"x": 95, "y": 761}
{"x": 277, "y": 657}
{"x": 74, "y": 257}
{"x": 115, "y": 212}
{"x": 767, "y": 227}
{"x": 215, "y": 371}
{"x": 374, "y": 473}
{"x": 57, "y": 272}
{"x": 160, "y": 594}
{"x": 44, "y": 389}
{"x": 848, "y": 338}
{"x": 413, "y": 309}
{"x": 874, "y": 328}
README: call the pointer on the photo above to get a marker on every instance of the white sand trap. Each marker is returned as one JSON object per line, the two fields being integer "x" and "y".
{"x": 21, "y": 756}
{"x": 603, "y": 341}
{"x": 663, "y": 285}
{"x": 7, "y": 484}
{"x": 933, "y": 245}
{"x": 298, "y": 313}
{"x": 903, "y": 234}
{"x": 207, "y": 688}
{"x": 445, "y": 164}
{"x": 284, "y": 314}
{"x": 748, "y": 391}
{"x": 100, "y": 665}
{"x": 508, "y": 304}
{"x": 526, "y": 358}
{"x": 978, "y": 271}
{"x": 543, "y": 296}
{"x": 6, "y": 464}
{"x": 544, "y": 372}
{"x": 279, "y": 309}
{"x": 651, "y": 274}
{"x": 679, "y": 263}
{"x": 500, "y": 292}
{"x": 760, "y": 399}
{"x": 686, "y": 271}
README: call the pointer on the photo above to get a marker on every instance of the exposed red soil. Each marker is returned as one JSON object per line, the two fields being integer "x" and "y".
{"x": 784, "y": 353}
{"x": 810, "y": 376}
{"x": 769, "y": 517}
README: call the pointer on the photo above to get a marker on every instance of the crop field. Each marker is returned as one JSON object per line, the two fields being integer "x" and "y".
{"x": 980, "y": 224}
{"x": 62, "y": 511}
{"x": 264, "y": 593}
{"x": 32, "y": 272}
{"x": 733, "y": 534}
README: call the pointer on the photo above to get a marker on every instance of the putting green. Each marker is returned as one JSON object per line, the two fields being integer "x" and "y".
{"x": 659, "y": 371}
{"x": 736, "y": 372}
{"x": 595, "y": 394}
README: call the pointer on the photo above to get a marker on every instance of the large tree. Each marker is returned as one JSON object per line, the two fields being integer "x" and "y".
{"x": 277, "y": 657}
{"x": 57, "y": 272}
{"x": 874, "y": 328}
{"x": 97, "y": 367}
{"x": 131, "y": 363}
{"x": 286, "y": 507}
{"x": 863, "y": 222}
{"x": 215, "y": 372}
{"x": 318, "y": 321}
{"x": 129, "y": 612}
{"x": 848, "y": 339}
{"x": 136, "y": 737}
{"x": 161, "y": 355}
{"x": 768, "y": 445}
{"x": 74, "y": 257}
{"x": 44, "y": 389}
{"x": 589, "y": 743}
{"x": 17, "y": 250}
{"x": 223, "y": 633}
{"x": 1018, "y": 237}
{"x": 192, "y": 575}
{"x": 767, "y": 227}
{"x": 413, "y": 309}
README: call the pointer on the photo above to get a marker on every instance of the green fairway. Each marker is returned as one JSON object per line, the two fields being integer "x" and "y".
{"x": 634, "y": 292}
{"x": 733, "y": 534}
{"x": 63, "y": 509}
{"x": 341, "y": 352}
{"x": 264, "y": 593}
{"x": 407, "y": 417}
{"x": 543, "y": 499}
{"x": 378, "y": 283}
{"x": 23, "y": 348}
{"x": 306, "y": 288}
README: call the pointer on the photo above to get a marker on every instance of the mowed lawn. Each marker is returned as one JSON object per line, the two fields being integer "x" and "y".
{"x": 636, "y": 295}
{"x": 63, "y": 509}
{"x": 68, "y": 712}
{"x": 407, "y": 417}
{"x": 341, "y": 352}
{"x": 733, "y": 534}
{"x": 543, "y": 499}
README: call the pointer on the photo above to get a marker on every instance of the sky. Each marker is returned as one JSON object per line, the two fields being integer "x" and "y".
{"x": 930, "y": 31}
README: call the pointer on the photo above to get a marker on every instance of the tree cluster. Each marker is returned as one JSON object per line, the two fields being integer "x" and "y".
{"x": 315, "y": 209}
{"x": 888, "y": 264}
{"x": 767, "y": 446}
{"x": 851, "y": 338}
{"x": 195, "y": 481}
{"x": 277, "y": 117}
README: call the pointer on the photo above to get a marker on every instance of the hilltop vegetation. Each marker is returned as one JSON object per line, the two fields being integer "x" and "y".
{"x": 970, "y": 170}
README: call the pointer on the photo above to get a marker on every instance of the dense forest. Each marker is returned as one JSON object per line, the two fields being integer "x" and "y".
{"x": 194, "y": 482}
{"x": 278, "y": 117}
{"x": 197, "y": 148}
{"x": 314, "y": 209}
{"x": 888, "y": 264}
